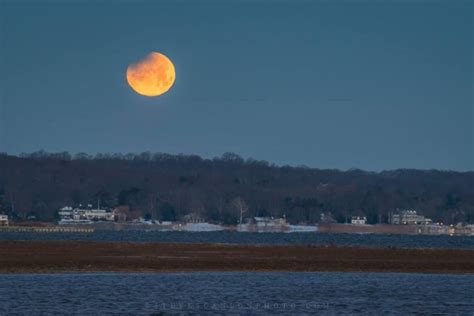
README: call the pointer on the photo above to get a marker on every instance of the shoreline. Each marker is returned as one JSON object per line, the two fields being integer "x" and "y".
{"x": 382, "y": 229}
{"x": 89, "y": 257}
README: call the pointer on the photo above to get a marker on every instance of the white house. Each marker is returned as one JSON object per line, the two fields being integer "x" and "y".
{"x": 79, "y": 215}
{"x": 66, "y": 212}
{"x": 3, "y": 220}
{"x": 193, "y": 218}
{"x": 95, "y": 214}
{"x": 410, "y": 217}
{"x": 269, "y": 221}
{"x": 358, "y": 220}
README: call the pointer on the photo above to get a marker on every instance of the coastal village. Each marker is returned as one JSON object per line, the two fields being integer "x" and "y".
{"x": 401, "y": 222}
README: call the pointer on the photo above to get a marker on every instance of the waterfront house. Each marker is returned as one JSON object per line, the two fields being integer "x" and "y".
{"x": 82, "y": 215}
{"x": 3, "y": 220}
{"x": 66, "y": 212}
{"x": 98, "y": 214}
{"x": 264, "y": 224}
{"x": 464, "y": 229}
{"x": 193, "y": 218}
{"x": 409, "y": 217}
{"x": 468, "y": 230}
{"x": 358, "y": 220}
{"x": 327, "y": 218}
{"x": 269, "y": 221}
{"x": 433, "y": 229}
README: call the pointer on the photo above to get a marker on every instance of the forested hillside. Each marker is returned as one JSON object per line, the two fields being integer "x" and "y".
{"x": 167, "y": 187}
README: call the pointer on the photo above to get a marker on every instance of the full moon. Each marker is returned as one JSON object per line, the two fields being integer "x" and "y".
{"x": 151, "y": 76}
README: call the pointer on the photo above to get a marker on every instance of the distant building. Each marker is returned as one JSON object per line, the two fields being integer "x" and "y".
{"x": 269, "y": 221}
{"x": 359, "y": 220}
{"x": 193, "y": 218}
{"x": 326, "y": 218}
{"x": 264, "y": 224}
{"x": 410, "y": 217}
{"x": 433, "y": 229}
{"x": 121, "y": 213}
{"x": 461, "y": 229}
{"x": 81, "y": 215}
{"x": 468, "y": 230}
{"x": 95, "y": 214}
{"x": 3, "y": 220}
{"x": 66, "y": 212}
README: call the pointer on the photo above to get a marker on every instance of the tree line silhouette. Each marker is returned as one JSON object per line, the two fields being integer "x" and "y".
{"x": 168, "y": 187}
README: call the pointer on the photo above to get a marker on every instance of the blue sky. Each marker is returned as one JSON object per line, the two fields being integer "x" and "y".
{"x": 371, "y": 85}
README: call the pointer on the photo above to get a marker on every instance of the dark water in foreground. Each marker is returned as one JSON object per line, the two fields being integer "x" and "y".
{"x": 366, "y": 240}
{"x": 237, "y": 293}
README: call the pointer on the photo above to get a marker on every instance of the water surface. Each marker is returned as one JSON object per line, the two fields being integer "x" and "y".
{"x": 366, "y": 240}
{"x": 237, "y": 293}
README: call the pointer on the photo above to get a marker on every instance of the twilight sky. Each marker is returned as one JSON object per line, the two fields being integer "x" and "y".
{"x": 368, "y": 85}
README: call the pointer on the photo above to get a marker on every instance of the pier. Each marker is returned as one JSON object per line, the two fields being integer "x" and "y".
{"x": 52, "y": 229}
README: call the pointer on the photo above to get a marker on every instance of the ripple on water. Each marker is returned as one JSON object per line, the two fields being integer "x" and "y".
{"x": 250, "y": 293}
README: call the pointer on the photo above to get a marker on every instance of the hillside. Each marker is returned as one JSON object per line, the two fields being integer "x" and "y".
{"x": 167, "y": 187}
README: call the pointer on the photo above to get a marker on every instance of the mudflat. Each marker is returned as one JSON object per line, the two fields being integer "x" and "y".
{"x": 80, "y": 256}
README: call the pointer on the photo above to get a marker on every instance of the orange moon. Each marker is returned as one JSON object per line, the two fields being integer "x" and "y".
{"x": 151, "y": 76}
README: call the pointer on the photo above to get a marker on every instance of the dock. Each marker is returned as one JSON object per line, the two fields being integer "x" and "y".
{"x": 52, "y": 229}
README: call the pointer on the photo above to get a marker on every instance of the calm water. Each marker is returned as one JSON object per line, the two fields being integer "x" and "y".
{"x": 237, "y": 293}
{"x": 368, "y": 240}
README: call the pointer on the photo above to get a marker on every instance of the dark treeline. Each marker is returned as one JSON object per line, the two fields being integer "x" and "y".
{"x": 167, "y": 187}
